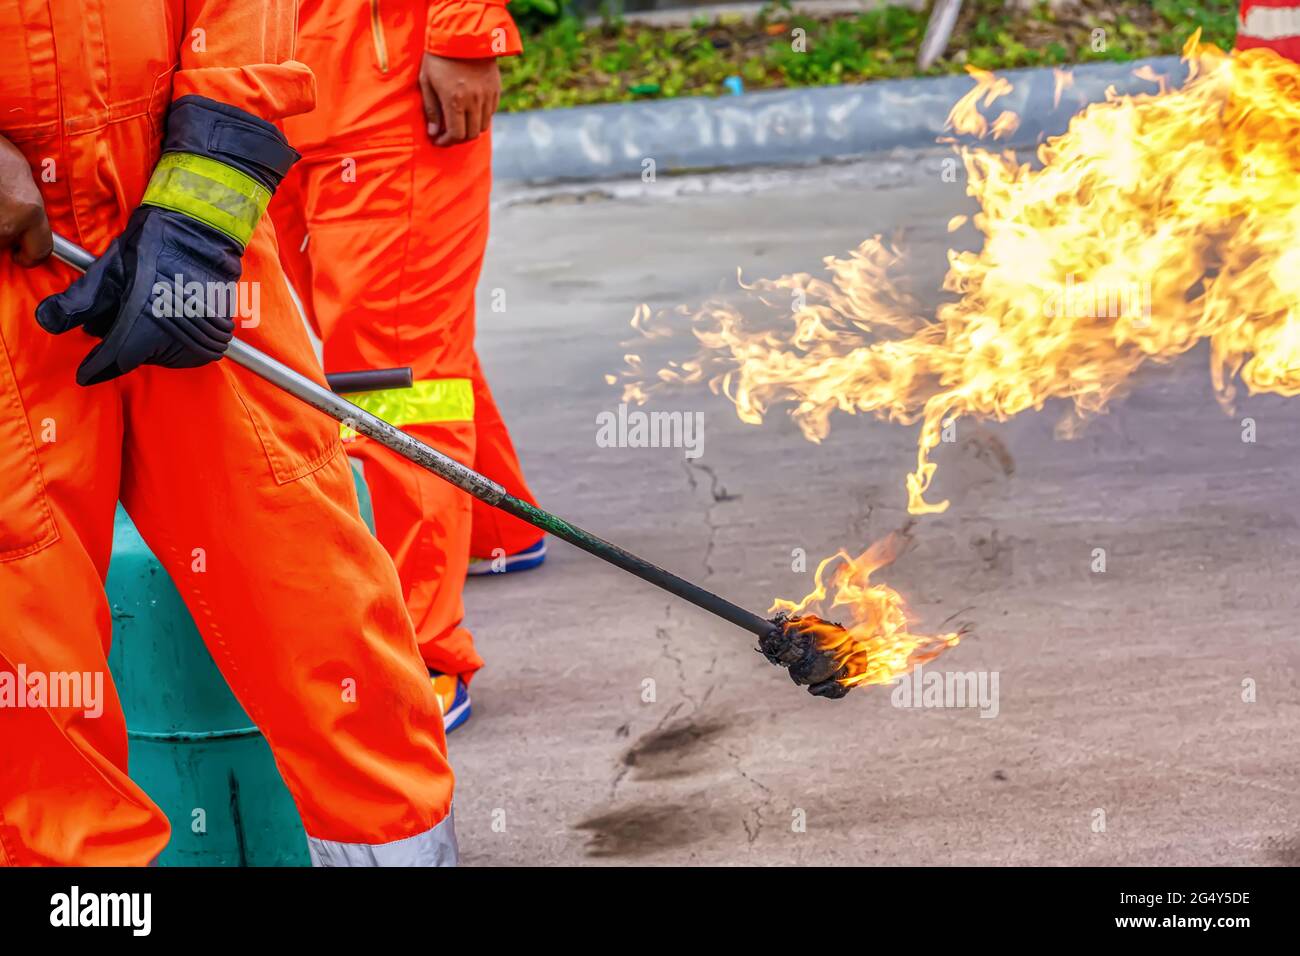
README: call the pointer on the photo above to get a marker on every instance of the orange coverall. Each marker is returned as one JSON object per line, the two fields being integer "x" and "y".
{"x": 299, "y": 605}
{"x": 383, "y": 236}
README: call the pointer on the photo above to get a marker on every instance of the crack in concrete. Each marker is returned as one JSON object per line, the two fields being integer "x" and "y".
{"x": 862, "y": 519}
{"x": 621, "y": 772}
{"x": 753, "y": 821}
{"x": 665, "y": 634}
{"x": 718, "y": 494}
{"x": 993, "y": 565}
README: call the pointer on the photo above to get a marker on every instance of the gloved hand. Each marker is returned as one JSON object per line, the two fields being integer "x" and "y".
{"x": 217, "y": 173}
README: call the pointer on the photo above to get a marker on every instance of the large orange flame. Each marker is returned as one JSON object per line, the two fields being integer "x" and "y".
{"x": 1154, "y": 222}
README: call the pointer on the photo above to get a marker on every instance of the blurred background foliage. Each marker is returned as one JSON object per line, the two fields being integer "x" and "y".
{"x": 572, "y": 57}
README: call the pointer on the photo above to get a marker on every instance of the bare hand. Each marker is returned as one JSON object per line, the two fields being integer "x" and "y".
{"x": 23, "y": 226}
{"x": 460, "y": 97}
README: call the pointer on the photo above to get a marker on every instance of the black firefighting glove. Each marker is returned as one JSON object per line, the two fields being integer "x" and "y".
{"x": 165, "y": 292}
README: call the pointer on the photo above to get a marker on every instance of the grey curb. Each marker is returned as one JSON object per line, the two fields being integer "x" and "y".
{"x": 786, "y": 126}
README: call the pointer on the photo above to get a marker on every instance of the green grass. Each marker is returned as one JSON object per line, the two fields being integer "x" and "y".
{"x": 567, "y": 64}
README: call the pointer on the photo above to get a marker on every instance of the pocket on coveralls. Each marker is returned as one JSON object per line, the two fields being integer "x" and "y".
{"x": 26, "y": 519}
{"x": 296, "y": 438}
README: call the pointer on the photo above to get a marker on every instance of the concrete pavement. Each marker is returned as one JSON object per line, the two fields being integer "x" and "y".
{"x": 1121, "y": 734}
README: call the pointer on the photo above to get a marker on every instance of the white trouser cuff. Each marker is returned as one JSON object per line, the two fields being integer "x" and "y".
{"x": 435, "y": 847}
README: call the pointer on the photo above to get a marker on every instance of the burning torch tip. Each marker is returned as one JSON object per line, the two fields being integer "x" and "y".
{"x": 792, "y": 643}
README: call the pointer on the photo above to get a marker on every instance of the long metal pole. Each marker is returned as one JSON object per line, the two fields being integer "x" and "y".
{"x": 938, "y": 31}
{"x": 484, "y": 489}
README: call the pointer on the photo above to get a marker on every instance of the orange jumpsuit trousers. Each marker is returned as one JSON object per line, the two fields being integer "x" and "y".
{"x": 242, "y": 493}
{"x": 383, "y": 236}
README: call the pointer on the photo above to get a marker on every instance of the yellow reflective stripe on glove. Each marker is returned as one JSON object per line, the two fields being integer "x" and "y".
{"x": 215, "y": 194}
{"x": 426, "y": 402}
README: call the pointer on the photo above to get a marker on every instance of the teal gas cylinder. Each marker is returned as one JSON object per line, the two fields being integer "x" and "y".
{"x": 191, "y": 746}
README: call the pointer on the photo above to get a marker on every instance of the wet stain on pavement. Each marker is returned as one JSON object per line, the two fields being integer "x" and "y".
{"x": 676, "y": 750}
{"x": 645, "y": 828}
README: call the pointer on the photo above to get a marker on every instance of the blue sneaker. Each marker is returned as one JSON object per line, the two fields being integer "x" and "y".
{"x": 453, "y": 698}
{"x": 524, "y": 560}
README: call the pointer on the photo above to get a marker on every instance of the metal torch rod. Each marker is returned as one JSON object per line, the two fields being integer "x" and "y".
{"x": 938, "y": 31}
{"x": 484, "y": 489}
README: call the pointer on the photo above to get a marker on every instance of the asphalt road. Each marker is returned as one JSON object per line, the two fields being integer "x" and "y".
{"x": 1121, "y": 735}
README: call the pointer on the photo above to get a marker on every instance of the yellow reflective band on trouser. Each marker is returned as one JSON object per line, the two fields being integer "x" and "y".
{"x": 221, "y": 196}
{"x": 426, "y": 402}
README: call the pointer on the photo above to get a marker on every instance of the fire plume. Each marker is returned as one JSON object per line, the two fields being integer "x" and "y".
{"x": 1154, "y": 222}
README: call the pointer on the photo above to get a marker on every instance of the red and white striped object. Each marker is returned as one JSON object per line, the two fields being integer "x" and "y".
{"x": 1274, "y": 24}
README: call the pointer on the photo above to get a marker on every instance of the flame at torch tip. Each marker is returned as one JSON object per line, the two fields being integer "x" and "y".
{"x": 875, "y": 645}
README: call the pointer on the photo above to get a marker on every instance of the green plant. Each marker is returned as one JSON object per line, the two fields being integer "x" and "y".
{"x": 529, "y": 15}
{"x": 566, "y": 63}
